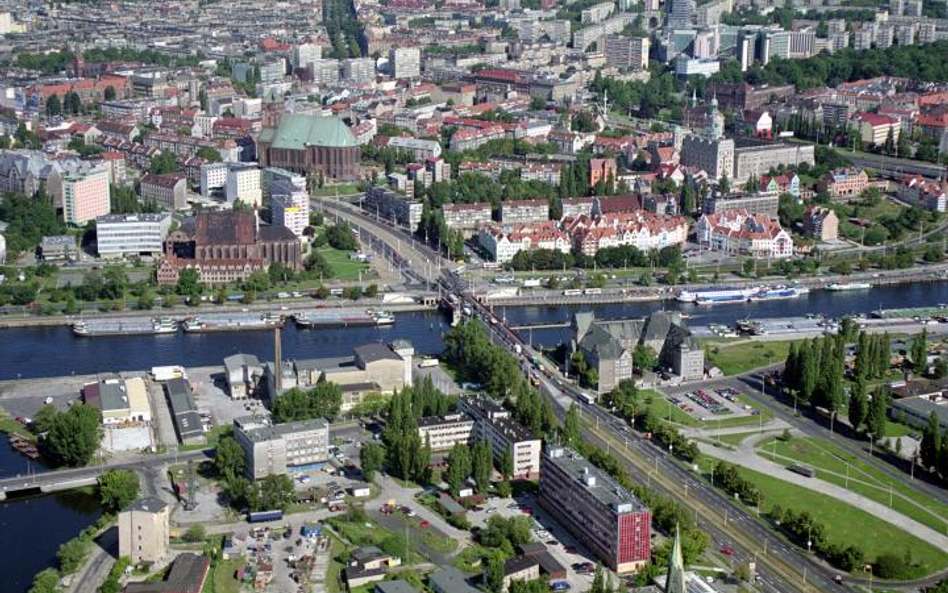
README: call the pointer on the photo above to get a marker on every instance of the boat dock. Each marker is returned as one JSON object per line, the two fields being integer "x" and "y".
{"x": 24, "y": 445}
{"x": 939, "y": 312}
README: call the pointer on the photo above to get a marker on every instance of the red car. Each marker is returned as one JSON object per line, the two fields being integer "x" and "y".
{"x": 727, "y": 550}
{"x": 425, "y": 524}
{"x": 570, "y": 549}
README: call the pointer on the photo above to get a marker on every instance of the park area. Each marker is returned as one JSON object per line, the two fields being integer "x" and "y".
{"x": 741, "y": 356}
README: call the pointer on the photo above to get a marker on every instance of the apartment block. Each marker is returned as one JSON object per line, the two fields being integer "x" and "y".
{"x": 405, "y": 62}
{"x": 86, "y": 196}
{"x": 168, "y": 190}
{"x": 466, "y": 217}
{"x": 443, "y": 432}
{"x": 290, "y": 208}
{"x": 391, "y": 205}
{"x": 607, "y": 518}
{"x": 627, "y": 52}
{"x": 524, "y": 211}
{"x": 243, "y": 183}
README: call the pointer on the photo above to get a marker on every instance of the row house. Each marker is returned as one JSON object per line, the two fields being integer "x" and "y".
{"x": 643, "y": 230}
{"x": 503, "y": 243}
{"x": 186, "y": 146}
{"x": 842, "y": 184}
{"x": 785, "y": 183}
{"x": 739, "y": 232}
{"x": 137, "y": 155}
{"x": 927, "y": 194}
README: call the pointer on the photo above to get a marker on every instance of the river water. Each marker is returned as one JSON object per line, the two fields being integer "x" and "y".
{"x": 33, "y": 529}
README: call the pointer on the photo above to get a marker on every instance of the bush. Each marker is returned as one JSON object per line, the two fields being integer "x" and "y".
{"x": 891, "y": 566}
{"x": 195, "y": 533}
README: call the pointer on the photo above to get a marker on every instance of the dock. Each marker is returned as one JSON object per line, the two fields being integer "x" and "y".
{"x": 24, "y": 445}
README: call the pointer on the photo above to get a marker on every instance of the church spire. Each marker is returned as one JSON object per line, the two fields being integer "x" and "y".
{"x": 675, "y": 580}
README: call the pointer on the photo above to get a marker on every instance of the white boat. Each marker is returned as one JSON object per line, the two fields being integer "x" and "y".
{"x": 843, "y": 286}
{"x": 717, "y": 295}
{"x": 776, "y": 293}
{"x": 124, "y": 327}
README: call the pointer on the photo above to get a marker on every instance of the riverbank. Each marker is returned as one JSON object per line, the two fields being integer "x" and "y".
{"x": 181, "y": 313}
{"x": 503, "y": 296}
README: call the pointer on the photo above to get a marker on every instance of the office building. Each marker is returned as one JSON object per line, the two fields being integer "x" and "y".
{"x": 143, "y": 531}
{"x": 274, "y": 449}
{"x": 405, "y": 62}
{"x": 443, "y": 432}
{"x": 167, "y": 190}
{"x": 763, "y": 202}
{"x": 86, "y": 196}
{"x": 493, "y": 424}
{"x": 213, "y": 178}
{"x": 119, "y": 235}
{"x": 604, "y": 516}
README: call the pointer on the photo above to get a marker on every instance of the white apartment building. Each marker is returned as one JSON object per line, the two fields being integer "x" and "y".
{"x": 118, "y": 235}
{"x": 494, "y": 425}
{"x": 290, "y": 209}
{"x": 419, "y": 148}
{"x": 213, "y": 177}
{"x": 243, "y": 183}
{"x": 86, "y": 196}
{"x": 443, "y": 432}
{"x": 405, "y": 62}
{"x": 203, "y": 126}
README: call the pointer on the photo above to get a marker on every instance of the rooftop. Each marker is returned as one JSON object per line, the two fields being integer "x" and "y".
{"x": 450, "y": 580}
{"x": 298, "y": 131}
{"x": 187, "y": 575}
{"x": 141, "y": 217}
{"x": 268, "y": 432}
{"x": 149, "y": 504}
{"x": 598, "y": 483}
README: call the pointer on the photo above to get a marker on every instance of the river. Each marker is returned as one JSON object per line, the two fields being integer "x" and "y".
{"x": 39, "y": 525}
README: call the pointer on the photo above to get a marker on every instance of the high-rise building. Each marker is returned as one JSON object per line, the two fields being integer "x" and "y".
{"x": 306, "y": 53}
{"x": 607, "y": 518}
{"x": 86, "y": 196}
{"x": 627, "y": 52}
{"x": 290, "y": 208}
{"x": 143, "y": 531}
{"x": 681, "y": 14}
{"x": 359, "y": 70}
{"x": 243, "y": 183}
{"x": 405, "y": 62}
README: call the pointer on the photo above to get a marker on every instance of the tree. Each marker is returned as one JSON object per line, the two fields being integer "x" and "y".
{"x": 858, "y": 405}
{"x": 229, "y": 458}
{"x": 45, "y": 581}
{"x": 275, "y": 492}
{"x": 571, "y": 432}
{"x": 482, "y": 463}
{"x": 876, "y": 418}
{"x": 942, "y": 454}
{"x": 54, "y": 106}
{"x": 208, "y": 154}
{"x": 920, "y": 352}
{"x": 371, "y": 459}
{"x": 109, "y": 93}
{"x": 189, "y": 283}
{"x": 163, "y": 163}
{"x": 494, "y": 573}
{"x": 459, "y": 467}
{"x": 74, "y": 435}
{"x": 258, "y": 281}
{"x": 195, "y": 533}
{"x": 930, "y": 445}
{"x": 340, "y": 236}
{"x": 118, "y": 488}
{"x": 724, "y": 185}
{"x": 322, "y": 401}
{"x": 644, "y": 358}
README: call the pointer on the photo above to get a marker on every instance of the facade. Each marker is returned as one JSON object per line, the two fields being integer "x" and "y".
{"x": 627, "y": 52}
{"x": 639, "y": 228}
{"x": 740, "y": 232}
{"x": 820, "y": 223}
{"x": 714, "y": 157}
{"x": 227, "y": 246}
{"x": 86, "y": 196}
{"x": 213, "y": 177}
{"x": 143, "y": 531}
{"x": 405, "y": 62}
{"x": 503, "y": 243}
{"x": 755, "y": 157}
{"x": 168, "y": 190}
{"x": 391, "y": 205}
{"x": 765, "y": 202}
{"x": 466, "y": 217}
{"x": 931, "y": 195}
{"x": 244, "y": 184}
{"x": 747, "y": 97}
{"x": 119, "y": 235}
{"x": 310, "y": 145}
{"x": 608, "y": 346}
{"x": 419, "y": 148}
{"x": 524, "y": 211}
{"x": 607, "y": 518}
{"x": 58, "y": 248}
{"x": 875, "y": 129}
{"x": 243, "y": 373}
{"x": 493, "y": 424}
{"x": 290, "y": 209}
{"x": 443, "y": 432}
{"x": 843, "y": 184}
{"x": 280, "y": 448}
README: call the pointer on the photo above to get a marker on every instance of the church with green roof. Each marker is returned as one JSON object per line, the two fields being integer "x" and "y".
{"x": 310, "y": 145}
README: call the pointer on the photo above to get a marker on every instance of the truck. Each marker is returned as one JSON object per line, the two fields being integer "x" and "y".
{"x": 260, "y": 516}
{"x": 587, "y": 399}
{"x": 428, "y": 362}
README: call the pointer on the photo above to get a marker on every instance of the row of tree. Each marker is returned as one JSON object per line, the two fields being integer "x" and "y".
{"x": 933, "y": 449}
{"x": 804, "y": 530}
{"x": 273, "y": 492}
{"x": 322, "y": 401}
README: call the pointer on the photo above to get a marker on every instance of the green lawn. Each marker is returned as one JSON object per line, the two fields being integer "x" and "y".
{"x": 732, "y": 439}
{"x": 872, "y": 483}
{"x": 343, "y": 189}
{"x": 664, "y": 409}
{"x": 224, "y": 577}
{"x": 846, "y": 524}
{"x": 342, "y": 267}
{"x": 337, "y": 550}
{"x": 9, "y": 425}
{"x": 740, "y": 357}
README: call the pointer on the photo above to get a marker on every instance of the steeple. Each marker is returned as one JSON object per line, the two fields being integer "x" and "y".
{"x": 675, "y": 579}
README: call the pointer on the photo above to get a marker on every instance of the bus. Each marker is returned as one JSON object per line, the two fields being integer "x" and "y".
{"x": 587, "y": 399}
{"x": 572, "y": 292}
{"x": 593, "y": 291}
{"x": 802, "y": 470}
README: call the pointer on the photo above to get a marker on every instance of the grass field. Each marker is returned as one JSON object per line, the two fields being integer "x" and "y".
{"x": 342, "y": 267}
{"x": 224, "y": 577}
{"x": 846, "y": 524}
{"x": 343, "y": 189}
{"x": 732, "y": 439}
{"x": 740, "y": 357}
{"x": 664, "y": 409}
{"x": 864, "y": 478}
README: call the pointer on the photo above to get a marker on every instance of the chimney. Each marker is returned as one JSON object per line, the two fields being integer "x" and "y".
{"x": 277, "y": 360}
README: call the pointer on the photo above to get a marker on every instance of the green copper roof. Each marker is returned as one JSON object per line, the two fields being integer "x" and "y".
{"x": 298, "y": 130}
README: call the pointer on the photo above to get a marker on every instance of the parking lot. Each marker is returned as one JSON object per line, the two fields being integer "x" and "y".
{"x": 712, "y": 401}
{"x": 559, "y": 543}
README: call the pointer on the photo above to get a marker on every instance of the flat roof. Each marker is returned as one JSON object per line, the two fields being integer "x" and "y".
{"x": 394, "y": 587}
{"x": 924, "y": 407}
{"x": 450, "y": 580}
{"x": 270, "y": 432}
{"x": 187, "y": 575}
{"x": 595, "y": 481}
